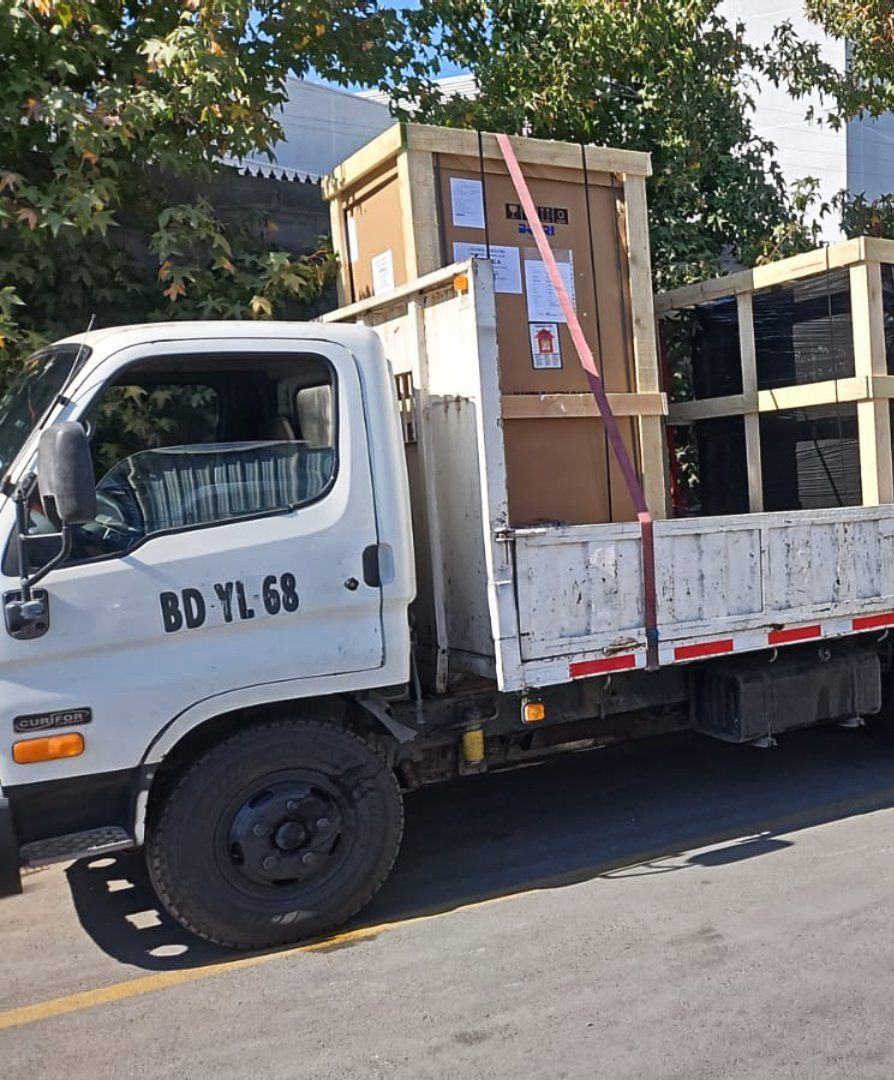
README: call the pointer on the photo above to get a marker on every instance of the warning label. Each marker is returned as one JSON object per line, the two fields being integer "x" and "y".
{"x": 545, "y": 349}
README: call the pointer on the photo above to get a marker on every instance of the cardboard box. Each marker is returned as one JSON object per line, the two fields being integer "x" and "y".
{"x": 419, "y": 198}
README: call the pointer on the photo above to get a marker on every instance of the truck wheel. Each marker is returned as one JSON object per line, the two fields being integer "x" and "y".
{"x": 278, "y": 833}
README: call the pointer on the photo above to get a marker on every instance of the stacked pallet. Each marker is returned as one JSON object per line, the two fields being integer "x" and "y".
{"x": 421, "y": 198}
{"x": 782, "y": 379}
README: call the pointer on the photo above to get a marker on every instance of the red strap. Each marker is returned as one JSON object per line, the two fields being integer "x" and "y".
{"x": 612, "y": 430}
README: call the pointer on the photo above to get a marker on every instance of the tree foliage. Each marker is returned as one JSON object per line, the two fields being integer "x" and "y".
{"x": 835, "y": 93}
{"x": 860, "y": 85}
{"x": 673, "y": 78}
{"x": 116, "y": 117}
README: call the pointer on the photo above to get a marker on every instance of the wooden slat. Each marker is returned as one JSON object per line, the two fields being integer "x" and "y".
{"x": 882, "y": 386}
{"x": 645, "y": 351}
{"x": 652, "y": 441}
{"x": 833, "y": 257}
{"x": 367, "y": 158}
{"x": 878, "y": 250}
{"x": 416, "y": 174}
{"x": 808, "y": 395}
{"x": 873, "y": 417}
{"x": 340, "y": 245}
{"x": 687, "y": 412}
{"x": 442, "y": 140}
{"x": 748, "y": 356}
{"x": 556, "y": 406}
{"x": 868, "y": 319}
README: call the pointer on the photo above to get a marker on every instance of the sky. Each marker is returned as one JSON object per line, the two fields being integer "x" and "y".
{"x": 447, "y": 69}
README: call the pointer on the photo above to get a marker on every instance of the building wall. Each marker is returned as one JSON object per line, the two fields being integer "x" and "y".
{"x": 322, "y": 127}
{"x": 870, "y": 156}
{"x": 802, "y": 148}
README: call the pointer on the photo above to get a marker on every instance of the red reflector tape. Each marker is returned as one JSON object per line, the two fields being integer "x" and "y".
{"x": 797, "y": 633}
{"x": 704, "y": 648}
{"x": 874, "y": 622}
{"x": 601, "y": 667}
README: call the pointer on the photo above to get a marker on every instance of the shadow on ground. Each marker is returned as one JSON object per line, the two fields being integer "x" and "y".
{"x": 611, "y": 813}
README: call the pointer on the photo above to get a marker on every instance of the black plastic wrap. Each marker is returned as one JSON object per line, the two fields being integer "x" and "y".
{"x": 810, "y": 458}
{"x": 716, "y": 359}
{"x": 723, "y": 465}
{"x": 803, "y": 332}
{"x": 888, "y": 300}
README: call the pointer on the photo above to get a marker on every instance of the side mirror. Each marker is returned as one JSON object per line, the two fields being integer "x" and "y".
{"x": 68, "y": 495}
{"x": 65, "y": 477}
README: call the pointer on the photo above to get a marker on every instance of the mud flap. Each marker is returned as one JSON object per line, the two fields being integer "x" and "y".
{"x": 10, "y": 875}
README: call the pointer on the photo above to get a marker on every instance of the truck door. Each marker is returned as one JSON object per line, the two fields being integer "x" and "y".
{"x": 235, "y": 507}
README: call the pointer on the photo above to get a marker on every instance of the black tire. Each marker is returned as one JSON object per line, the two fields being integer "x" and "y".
{"x": 227, "y": 848}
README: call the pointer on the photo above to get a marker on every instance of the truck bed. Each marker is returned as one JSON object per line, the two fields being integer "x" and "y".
{"x": 725, "y": 585}
{"x": 537, "y": 606}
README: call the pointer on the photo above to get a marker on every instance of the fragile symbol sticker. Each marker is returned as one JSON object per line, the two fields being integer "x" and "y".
{"x": 545, "y": 349}
{"x": 549, "y": 215}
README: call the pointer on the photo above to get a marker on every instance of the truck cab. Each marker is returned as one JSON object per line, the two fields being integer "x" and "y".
{"x": 250, "y": 548}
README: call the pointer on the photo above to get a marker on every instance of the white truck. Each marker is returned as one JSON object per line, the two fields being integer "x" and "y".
{"x": 215, "y": 648}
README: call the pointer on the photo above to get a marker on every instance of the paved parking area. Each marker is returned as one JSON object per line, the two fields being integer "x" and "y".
{"x": 676, "y": 909}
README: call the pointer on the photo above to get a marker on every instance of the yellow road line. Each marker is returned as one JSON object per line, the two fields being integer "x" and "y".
{"x": 162, "y": 980}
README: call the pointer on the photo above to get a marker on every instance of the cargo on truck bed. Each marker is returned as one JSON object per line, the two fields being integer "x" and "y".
{"x": 338, "y": 560}
{"x": 535, "y": 606}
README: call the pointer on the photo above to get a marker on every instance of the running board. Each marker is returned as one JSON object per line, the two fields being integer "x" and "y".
{"x": 80, "y": 845}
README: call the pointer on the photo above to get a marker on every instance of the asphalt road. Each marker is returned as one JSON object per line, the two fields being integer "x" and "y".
{"x": 676, "y": 909}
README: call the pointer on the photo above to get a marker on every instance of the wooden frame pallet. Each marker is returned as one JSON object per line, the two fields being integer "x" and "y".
{"x": 413, "y": 152}
{"x": 871, "y": 388}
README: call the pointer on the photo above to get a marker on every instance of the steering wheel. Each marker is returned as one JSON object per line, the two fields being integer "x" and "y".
{"x": 109, "y": 531}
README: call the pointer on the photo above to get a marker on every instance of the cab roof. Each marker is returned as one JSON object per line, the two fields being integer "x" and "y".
{"x": 356, "y": 338}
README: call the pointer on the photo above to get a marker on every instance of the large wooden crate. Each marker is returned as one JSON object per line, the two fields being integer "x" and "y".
{"x": 826, "y": 364}
{"x": 420, "y": 198}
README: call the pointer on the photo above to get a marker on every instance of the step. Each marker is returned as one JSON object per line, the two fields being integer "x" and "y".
{"x": 80, "y": 845}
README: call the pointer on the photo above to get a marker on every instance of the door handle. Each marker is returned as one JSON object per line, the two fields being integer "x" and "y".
{"x": 372, "y": 573}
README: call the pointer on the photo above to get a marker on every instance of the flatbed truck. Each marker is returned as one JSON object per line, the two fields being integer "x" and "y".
{"x": 238, "y": 632}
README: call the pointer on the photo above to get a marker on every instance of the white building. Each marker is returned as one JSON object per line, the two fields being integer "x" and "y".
{"x": 859, "y": 157}
{"x": 322, "y": 126}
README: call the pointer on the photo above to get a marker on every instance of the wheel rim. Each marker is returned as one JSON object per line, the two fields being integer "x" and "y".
{"x": 287, "y": 834}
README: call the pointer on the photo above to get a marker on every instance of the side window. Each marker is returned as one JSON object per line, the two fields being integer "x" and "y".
{"x": 183, "y": 444}
{"x": 132, "y": 418}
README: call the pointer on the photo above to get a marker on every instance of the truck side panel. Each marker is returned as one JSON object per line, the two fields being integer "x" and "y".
{"x": 444, "y": 337}
{"x": 725, "y": 585}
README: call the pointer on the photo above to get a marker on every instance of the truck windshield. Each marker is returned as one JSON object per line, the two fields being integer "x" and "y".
{"x": 30, "y": 394}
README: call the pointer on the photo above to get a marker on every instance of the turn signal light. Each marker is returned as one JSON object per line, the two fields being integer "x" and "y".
{"x": 461, "y": 283}
{"x": 534, "y": 712}
{"x": 49, "y": 748}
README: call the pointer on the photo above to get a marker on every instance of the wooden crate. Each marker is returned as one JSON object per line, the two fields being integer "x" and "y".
{"x": 869, "y": 389}
{"x": 420, "y": 198}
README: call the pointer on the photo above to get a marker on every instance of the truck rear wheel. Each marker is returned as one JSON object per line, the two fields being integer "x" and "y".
{"x": 280, "y": 832}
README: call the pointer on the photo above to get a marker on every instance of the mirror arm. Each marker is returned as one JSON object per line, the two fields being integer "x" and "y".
{"x": 28, "y": 581}
{"x": 20, "y": 499}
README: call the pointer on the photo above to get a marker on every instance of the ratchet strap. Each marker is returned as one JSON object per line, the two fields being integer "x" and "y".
{"x": 585, "y": 355}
